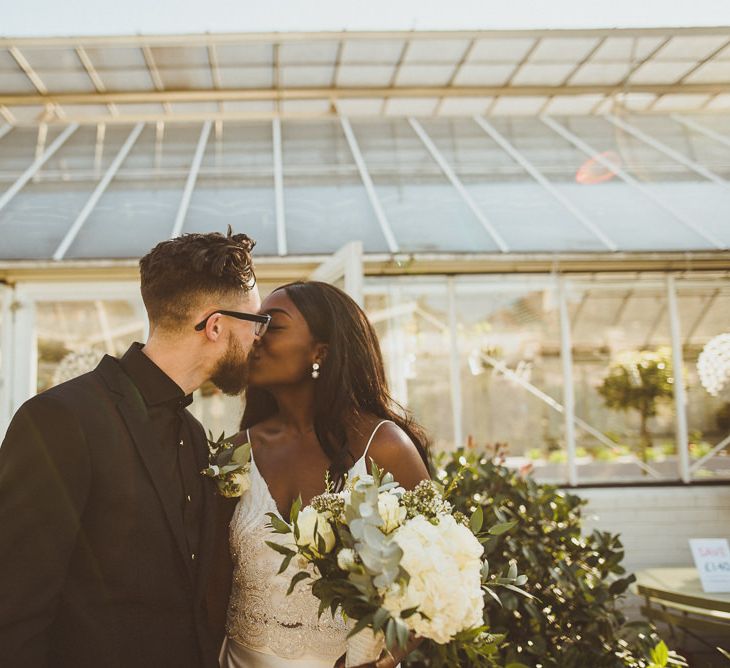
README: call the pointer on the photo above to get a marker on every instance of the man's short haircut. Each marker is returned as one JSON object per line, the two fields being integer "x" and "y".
{"x": 177, "y": 273}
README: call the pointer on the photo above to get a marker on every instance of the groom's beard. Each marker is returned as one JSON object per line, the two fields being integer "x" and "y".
{"x": 231, "y": 373}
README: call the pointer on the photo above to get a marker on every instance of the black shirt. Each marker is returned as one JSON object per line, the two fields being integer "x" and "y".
{"x": 166, "y": 403}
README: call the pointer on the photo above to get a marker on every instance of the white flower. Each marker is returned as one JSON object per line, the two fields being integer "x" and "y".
{"x": 444, "y": 564}
{"x": 242, "y": 480}
{"x": 391, "y": 512}
{"x": 312, "y": 524}
{"x": 346, "y": 559}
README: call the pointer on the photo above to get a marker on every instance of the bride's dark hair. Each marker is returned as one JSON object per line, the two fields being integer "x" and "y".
{"x": 352, "y": 378}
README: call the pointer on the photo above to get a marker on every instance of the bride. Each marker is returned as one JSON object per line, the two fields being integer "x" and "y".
{"x": 317, "y": 403}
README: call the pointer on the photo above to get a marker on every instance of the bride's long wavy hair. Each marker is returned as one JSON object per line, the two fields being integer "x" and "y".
{"x": 352, "y": 378}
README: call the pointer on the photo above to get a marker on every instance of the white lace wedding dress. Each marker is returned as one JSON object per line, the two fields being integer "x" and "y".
{"x": 265, "y": 627}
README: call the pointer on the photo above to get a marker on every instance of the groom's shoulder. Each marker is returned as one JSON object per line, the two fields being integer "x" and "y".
{"x": 85, "y": 389}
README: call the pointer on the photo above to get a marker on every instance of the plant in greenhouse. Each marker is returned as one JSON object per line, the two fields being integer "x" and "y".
{"x": 577, "y": 581}
{"x": 639, "y": 380}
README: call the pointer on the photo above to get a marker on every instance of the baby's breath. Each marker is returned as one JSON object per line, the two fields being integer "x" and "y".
{"x": 426, "y": 500}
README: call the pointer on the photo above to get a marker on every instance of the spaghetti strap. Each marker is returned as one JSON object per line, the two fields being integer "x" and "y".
{"x": 377, "y": 426}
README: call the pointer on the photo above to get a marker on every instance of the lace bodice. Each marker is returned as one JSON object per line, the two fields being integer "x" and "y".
{"x": 260, "y": 614}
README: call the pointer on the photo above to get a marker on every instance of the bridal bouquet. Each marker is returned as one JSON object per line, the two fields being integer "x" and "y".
{"x": 397, "y": 563}
{"x": 229, "y": 465}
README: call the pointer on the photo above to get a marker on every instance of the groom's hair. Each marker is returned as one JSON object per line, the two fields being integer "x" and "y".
{"x": 176, "y": 275}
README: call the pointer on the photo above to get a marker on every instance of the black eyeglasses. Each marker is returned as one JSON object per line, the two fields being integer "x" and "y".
{"x": 262, "y": 321}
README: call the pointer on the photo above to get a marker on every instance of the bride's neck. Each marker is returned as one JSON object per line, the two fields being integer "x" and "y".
{"x": 295, "y": 408}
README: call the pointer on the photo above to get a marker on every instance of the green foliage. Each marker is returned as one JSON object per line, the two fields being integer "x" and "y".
{"x": 577, "y": 581}
{"x": 639, "y": 380}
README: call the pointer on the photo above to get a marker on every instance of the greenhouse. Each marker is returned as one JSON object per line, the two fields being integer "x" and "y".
{"x": 536, "y": 222}
{"x": 518, "y": 213}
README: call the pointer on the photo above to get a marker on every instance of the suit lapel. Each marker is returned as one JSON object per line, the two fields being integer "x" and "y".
{"x": 207, "y": 532}
{"x": 134, "y": 412}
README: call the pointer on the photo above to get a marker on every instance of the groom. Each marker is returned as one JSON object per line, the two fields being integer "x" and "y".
{"x": 106, "y": 525}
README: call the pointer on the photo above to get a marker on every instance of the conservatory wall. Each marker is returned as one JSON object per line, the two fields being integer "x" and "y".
{"x": 539, "y": 365}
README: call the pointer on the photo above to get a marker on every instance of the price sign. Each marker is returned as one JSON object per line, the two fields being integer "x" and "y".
{"x": 712, "y": 558}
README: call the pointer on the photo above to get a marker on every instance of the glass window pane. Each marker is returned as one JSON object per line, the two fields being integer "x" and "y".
{"x": 704, "y": 313}
{"x": 620, "y": 328}
{"x": 511, "y": 373}
{"x": 72, "y": 337}
{"x": 411, "y": 320}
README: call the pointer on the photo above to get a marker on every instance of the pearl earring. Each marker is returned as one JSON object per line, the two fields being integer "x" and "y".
{"x": 315, "y": 370}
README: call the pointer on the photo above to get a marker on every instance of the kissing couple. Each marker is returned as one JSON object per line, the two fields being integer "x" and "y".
{"x": 115, "y": 552}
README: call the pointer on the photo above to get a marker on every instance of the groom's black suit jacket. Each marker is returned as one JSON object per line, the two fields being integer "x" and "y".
{"x": 95, "y": 570}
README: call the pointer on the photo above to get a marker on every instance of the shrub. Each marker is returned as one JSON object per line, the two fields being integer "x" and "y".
{"x": 578, "y": 581}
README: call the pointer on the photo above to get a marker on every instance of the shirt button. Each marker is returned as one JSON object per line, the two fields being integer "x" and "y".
{"x": 180, "y": 443}
{"x": 188, "y": 497}
{"x": 192, "y": 556}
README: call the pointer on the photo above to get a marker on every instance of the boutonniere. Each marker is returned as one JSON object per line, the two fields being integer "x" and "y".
{"x": 229, "y": 465}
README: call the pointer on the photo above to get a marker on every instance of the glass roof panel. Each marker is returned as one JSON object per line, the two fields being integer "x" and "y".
{"x": 35, "y": 221}
{"x": 386, "y": 51}
{"x": 640, "y": 159}
{"x": 58, "y": 81}
{"x": 425, "y": 211}
{"x": 236, "y": 185}
{"x": 180, "y": 56}
{"x": 308, "y": 53}
{"x": 37, "y": 218}
{"x": 364, "y": 75}
{"x": 313, "y": 75}
{"x": 15, "y": 82}
{"x": 691, "y": 144}
{"x": 175, "y": 78}
{"x": 563, "y": 49}
{"x": 624, "y": 214}
{"x": 436, "y": 51}
{"x": 251, "y": 54}
{"x": 131, "y": 217}
{"x": 325, "y": 203}
{"x": 52, "y": 58}
{"x": 18, "y": 149}
{"x": 424, "y": 75}
{"x": 116, "y": 57}
{"x": 672, "y": 208}
{"x": 246, "y": 77}
{"x": 526, "y": 215}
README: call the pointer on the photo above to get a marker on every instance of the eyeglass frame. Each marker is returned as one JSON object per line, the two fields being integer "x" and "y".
{"x": 259, "y": 318}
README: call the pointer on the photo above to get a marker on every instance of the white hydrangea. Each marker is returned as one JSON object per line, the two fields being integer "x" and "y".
{"x": 307, "y": 520}
{"x": 444, "y": 564}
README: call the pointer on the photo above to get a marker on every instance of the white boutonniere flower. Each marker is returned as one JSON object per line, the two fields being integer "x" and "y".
{"x": 229, "y": 465}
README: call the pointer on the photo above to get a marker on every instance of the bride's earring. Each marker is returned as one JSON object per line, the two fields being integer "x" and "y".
{"x": 315, "y": 370}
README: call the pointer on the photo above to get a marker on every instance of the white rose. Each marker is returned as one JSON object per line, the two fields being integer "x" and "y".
{"x": 312, "y": 524}
{"x": 346, "y": 559}
{"x": 391, "y": 512}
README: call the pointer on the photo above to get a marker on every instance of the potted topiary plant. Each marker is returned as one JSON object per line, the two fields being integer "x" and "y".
{"x": 639, "y": 381}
